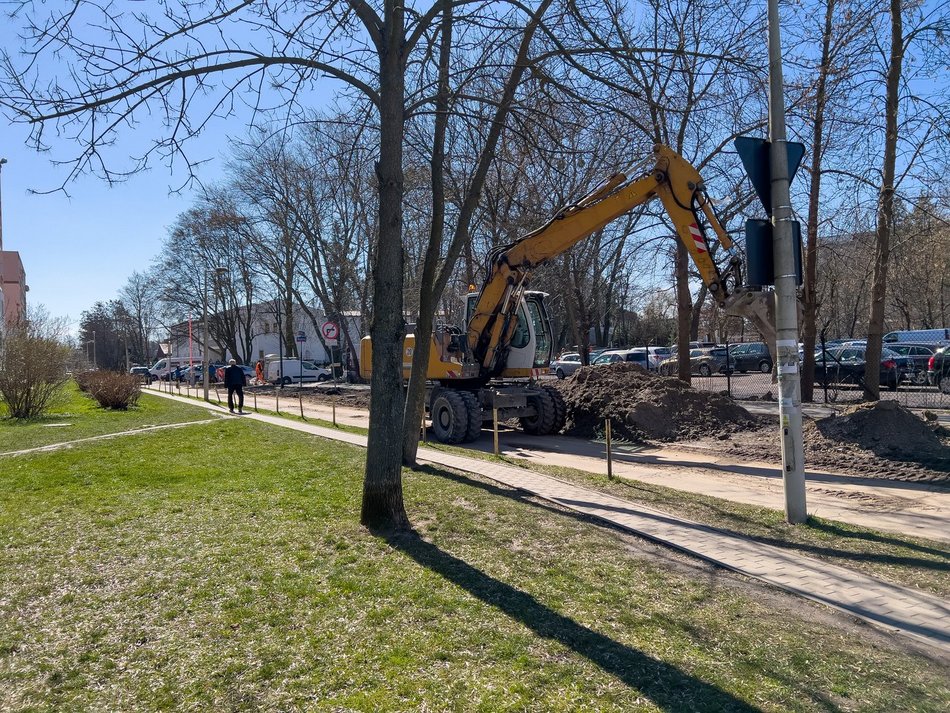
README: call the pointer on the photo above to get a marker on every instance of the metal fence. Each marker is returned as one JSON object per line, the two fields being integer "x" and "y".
{"x": 840, "y": 386}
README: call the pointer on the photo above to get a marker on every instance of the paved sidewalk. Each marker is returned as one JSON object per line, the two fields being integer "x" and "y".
{"x": 915, "y": 614}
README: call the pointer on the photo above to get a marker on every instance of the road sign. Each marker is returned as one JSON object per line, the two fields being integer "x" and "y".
{"x": 301, "y": 336}
{"x": 330, "y": 330}
{"x": 755, "y": 157}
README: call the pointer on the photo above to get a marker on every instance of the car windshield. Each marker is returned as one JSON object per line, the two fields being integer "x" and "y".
{"x": 309, "y": 365}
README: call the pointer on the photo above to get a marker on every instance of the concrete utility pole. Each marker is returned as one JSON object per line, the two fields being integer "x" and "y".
{"x": 786, "y": 299}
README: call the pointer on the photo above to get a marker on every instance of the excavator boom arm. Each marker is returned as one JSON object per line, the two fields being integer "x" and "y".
{"x": 673, "y": 180}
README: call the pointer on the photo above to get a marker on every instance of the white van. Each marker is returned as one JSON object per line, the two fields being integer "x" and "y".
{"x": 161, "y": 368}
{"x": 922, "y": 336}
{"x": 294, "y": 370}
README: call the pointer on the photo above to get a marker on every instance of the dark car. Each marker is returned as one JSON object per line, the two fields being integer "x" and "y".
{"x": 845, "y": 365}
{"x": 918, "y": 359}
{"x": 145, "y": 376}
{"x": 753, "y": 356}
{"x": 612, "y": 356}
{"x": 938, "y": 370}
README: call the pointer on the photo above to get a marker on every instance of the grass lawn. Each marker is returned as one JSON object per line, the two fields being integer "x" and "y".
{"x": 228, "y": 571}
{"x": 83, "y": 418}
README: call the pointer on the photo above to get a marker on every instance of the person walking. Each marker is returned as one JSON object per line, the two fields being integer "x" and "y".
{"x": 259, "y": 372}
{"x": 234, "y": 380}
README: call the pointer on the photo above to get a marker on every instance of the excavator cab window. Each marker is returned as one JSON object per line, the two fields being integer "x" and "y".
{"x": 522, "y": 335}
{"x": 542, "y": 331}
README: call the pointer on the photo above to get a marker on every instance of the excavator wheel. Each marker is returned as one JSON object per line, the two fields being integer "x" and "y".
{"x": 543, "y": 422}
{"x": 474, "y": 416}
{"x": 560, "y": 408}
{"x": 449, "y": 415}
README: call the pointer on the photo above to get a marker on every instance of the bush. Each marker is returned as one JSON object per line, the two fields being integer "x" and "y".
{"x": 33, "y": 358}
{"x": 112, "y": 390}
{"x": 84, "y": 378}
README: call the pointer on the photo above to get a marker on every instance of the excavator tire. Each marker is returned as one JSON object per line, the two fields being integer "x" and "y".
{"x": 542, "y": 423}
{"x": 474, "y": 416}
{"x": 560, "y": 409}
{"x": 449, "y": 415}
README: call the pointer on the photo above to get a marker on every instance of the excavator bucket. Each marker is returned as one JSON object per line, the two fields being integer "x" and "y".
{"x": 759, "y": 308}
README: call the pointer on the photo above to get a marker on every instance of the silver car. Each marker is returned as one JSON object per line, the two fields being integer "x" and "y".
{"x": 566, "y": 364}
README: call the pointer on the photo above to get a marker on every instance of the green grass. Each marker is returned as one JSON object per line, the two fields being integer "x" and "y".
{"x": 228, "y": 571}
{"x": 901, "y": 559}
{"x": 86, "y": 418}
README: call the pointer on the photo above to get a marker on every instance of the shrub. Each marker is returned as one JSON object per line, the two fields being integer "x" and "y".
{"x": 84, "y": 378}
{"x": 113, "y": 390}
{"x": 33, "y": 357}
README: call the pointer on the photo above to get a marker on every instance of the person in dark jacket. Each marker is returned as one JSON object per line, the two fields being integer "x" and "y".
{"x": 234, "y": 380}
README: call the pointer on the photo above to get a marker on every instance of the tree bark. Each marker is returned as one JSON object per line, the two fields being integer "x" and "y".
{"x": 885, "y": 207}
{"x": 415, "y": 396}
{"x": 684, "y": 312}
{"x": 415, "y": 402}
{"x": 383, "y": 506}
{"x": 810, "y": 292}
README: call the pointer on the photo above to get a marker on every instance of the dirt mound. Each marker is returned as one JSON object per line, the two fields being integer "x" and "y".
{"x": 887, "y": 429}
{"x": 641, "y": 405}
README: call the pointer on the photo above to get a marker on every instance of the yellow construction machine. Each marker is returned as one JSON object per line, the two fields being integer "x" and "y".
{"x": 495, "y": 361}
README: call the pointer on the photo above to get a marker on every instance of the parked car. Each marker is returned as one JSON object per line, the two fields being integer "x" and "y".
{"x": 918, "y": 359}
{"x": 249, "y": 373}
{"x": 938, "y": 370}
{"x": 294, "y": 370}
{"x": 612, "y": 356}
{"x": 845, "y": 365}
{"x": 658, "y": 355}
{"x": 145, "y": 376}
{"x": 705, "y": 362}
{"x": 753, "y": 356}
{"x": 566, "y": 364}
{"x": 927, "y": 336}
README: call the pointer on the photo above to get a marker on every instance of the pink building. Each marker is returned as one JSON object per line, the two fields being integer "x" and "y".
{"x": 13, "y": 284}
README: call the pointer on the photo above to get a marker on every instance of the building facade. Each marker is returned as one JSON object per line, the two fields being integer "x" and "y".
{"x": 14, "y": 287}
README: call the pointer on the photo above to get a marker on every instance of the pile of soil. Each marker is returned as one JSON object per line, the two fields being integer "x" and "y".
{"x": 885, "y": 428}
{"x": 880, "y": 440}
{"x": 642, "y": 406}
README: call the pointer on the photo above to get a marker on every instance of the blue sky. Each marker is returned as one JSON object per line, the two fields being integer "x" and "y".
{"x": 81, "y": 248}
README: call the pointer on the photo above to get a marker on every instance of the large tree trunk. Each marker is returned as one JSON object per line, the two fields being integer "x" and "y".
{"x": 810, "y": 297}
{"x": 885, "y": 207}
{"x": 684, "y": 312}
{"x": 415, "y": 396}
{"x": 415, "y": 403}
{"x": 383, "y": 506}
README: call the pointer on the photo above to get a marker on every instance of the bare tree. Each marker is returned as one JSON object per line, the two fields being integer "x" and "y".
{"x": 140, "y": 296}
{"x": 924, "y": 123}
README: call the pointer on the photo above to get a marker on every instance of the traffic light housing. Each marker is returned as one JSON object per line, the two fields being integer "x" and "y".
{"x": 760, "y": 270}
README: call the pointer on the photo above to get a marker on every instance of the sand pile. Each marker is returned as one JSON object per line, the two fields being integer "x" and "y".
{"x": 886, "y": 428}
{"x": 641, "y": 405}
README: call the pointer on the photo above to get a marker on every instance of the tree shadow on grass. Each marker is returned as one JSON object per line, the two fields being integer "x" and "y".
{"x": 664, "y": 684}
{"x": 835, "y": 529}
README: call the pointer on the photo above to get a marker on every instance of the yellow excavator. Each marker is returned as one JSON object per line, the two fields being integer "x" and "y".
{"x": 496, "y": 360}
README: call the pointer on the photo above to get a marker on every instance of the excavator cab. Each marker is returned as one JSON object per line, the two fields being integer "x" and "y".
{"x": 532, "y": 341}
